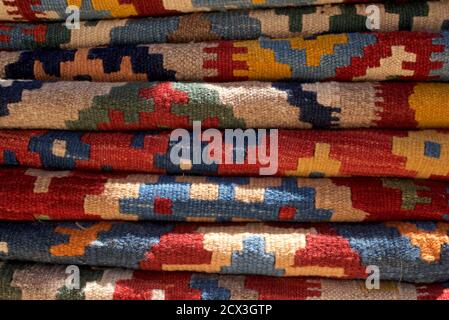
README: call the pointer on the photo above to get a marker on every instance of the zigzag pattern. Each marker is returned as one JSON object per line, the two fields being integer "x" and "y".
{"x": 226, "y": 25}
{"x": 308, "y": 153}
{"x": 170, "y": 105}
{"x": 89, "y": 177}
{"x": 48, "y": 282}
{"x": 35, "y": 10}
{"x": 415, "y": 56}
{"x": 29, "y": 194}
{"x": 403, "y": 251}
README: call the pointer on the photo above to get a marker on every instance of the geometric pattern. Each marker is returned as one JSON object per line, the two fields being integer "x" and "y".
{"x": 361, "y": 56}
{"x": 225, "y": 25}
{"x": 301, "y": 153}
{"x": 30, "y": 281}
{"x": 91, "y": 173}
{"x": 29, "y": 194}
{"x": 34, "y": 10}
{"x": 408, "y": 251}
{"x": 168, "y": 105}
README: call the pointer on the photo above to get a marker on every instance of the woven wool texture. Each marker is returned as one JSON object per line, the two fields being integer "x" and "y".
{"x": 288, "y": 105}
{"x": 35, "y": 10}
{"x": 226, "y": 25}
{"x": 29, "y": 281}
{"x": 403, "y": 251}
{"x": 29, "y": 194}
{"x": 93, "y": 173}
{"x": 303, "y": 153}
{"x": 345, "y": 57}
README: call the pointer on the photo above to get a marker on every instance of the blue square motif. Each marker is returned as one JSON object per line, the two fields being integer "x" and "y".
{"x": 432, "y": 149}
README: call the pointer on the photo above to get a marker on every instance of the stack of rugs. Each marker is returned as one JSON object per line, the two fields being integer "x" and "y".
{"x": 87, "y": 177}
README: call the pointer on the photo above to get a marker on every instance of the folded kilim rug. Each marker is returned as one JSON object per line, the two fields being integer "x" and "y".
{"x": 29, "y": 194}
{"x": 169, "y": 105}
{"x": 226, "y": 149}
{"x": 33, "y": 10}
{"x": 49, "y": 282}
{"x": 227, "y": 25}
{"x": 409, "y": 251}
{"x": 306, "y": 153}
{"x": 345, "y": 57}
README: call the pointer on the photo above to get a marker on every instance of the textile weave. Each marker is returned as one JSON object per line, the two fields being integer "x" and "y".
{"x": 226, "y": 25}
{"x": 373, "y": 56}
{"x": 29, "y": 194}
{"x": 403, "y": 251}
{"x": 48, "y": 282}
{"x": 304, "y": 153}
{"x": 93, "y": 174}
{"x": 34, "y": 10}
{"x": 170, "y": 105}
